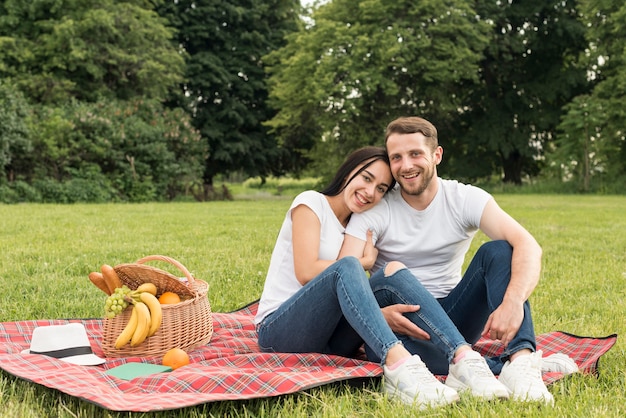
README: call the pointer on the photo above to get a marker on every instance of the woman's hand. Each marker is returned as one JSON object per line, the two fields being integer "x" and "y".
{"x": 369, "y": 252}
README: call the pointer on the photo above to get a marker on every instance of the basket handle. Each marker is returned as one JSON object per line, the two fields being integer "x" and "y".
{"x": 177, "y": 264}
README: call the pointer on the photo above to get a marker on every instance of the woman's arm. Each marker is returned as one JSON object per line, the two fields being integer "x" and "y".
{"x": 305, "y": 232}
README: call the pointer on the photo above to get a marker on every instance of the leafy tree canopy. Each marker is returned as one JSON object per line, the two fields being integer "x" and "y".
{"x": 362, "y": 63}
{"x": 226, "y": 85}
{"x": 61, "y": 49}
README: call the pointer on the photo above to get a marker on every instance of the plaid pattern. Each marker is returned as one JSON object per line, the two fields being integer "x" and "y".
{"x": 230, "y": 367}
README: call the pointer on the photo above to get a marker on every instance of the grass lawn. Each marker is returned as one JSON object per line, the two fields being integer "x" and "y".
{"x": 47, "y": 251}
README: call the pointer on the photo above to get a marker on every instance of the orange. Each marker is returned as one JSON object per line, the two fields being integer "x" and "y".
{"x": 169, "y": 298}
{"x": 175, "y": 358}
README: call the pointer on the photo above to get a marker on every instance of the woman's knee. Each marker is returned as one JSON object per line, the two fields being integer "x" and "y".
{"x": 349, "y": 262}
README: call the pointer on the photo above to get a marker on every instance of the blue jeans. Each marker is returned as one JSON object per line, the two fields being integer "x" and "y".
{"x": 461, "y": 316}
{"x": 332, "y": 314}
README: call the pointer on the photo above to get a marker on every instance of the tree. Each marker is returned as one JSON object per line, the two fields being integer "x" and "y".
{"x": 14, "y": 135}
{"x": 578, "y": 149}
{"x": 226, "y": 86}
{"x": 527, "y": 76}
{"x": 95, "y": 75}
{"x": 55, "y": 50}
{"x": 359, "y": 64}
{"x": 598, "y": 118}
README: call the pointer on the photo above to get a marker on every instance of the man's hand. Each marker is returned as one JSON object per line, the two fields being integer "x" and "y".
{"x": 394, "y": 315}
{"x": 504, "y": 323}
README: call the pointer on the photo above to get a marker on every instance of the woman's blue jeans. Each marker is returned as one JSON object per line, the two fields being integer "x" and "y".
{"x": 332, "y": 314}
{"x": 460, "y": 317}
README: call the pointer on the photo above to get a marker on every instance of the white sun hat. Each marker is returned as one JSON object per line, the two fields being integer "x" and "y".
{"x": 66, "y": 342}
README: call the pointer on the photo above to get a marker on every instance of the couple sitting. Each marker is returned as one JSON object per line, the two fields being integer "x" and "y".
{"x": 416, "y": 314}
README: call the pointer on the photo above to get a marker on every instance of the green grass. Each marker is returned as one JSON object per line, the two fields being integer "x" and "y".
{"x": 48, "y": 250}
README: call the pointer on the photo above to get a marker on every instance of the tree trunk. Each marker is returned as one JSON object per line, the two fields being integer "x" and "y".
{"x": 512, "y": 165}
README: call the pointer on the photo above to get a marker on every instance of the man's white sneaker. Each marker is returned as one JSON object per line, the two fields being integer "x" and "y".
{"x": 471, "y": 373}
{"x": 414, "y": 384}
{"x": 560, "y": 363}
{"x": 523, "y": 379}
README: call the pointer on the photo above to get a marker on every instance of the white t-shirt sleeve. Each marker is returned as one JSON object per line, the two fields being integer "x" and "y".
{"x": 375, "y": 219}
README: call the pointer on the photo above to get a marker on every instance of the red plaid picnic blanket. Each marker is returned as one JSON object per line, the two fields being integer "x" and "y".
{"x": 230, "y": 367}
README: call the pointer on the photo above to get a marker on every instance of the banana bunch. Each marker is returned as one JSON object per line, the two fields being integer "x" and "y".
{"x": 145, "y": 318}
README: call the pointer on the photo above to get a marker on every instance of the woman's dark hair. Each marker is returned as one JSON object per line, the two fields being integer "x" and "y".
{"x": 366, "y": 156}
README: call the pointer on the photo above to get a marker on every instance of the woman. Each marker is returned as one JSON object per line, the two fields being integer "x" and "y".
{"x": 313, "y": 302}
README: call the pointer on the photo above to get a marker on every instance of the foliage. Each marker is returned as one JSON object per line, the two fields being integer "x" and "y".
{"x": 122, "y": 150}
{"x": 14, "y": 136}
{"x": 48, "y": 251}
{"x": 593, "y": 143}
{"x": 519, "y": 91}
{"x": 55, "y": 50}
{"x": 361, "y": 63}
{"x": 225, "y": 89}
{"x": 526, "y": 77}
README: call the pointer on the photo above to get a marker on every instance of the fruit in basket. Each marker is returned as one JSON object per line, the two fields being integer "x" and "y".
{"x": 156, "y": 314}
{"x": 143, "y": 324}
{"x": 169, "y": 298}
{"x": 116, "y": 302}
{"x": 97, "y": 279}
{"x": 147, "y": 287}
{"x": 175, "y": 358}
{"x": 110, "y": 277}
{"x": 128, "y": 331}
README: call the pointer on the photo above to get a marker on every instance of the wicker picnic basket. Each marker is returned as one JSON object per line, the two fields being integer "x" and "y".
{"x": 185, "y": 325}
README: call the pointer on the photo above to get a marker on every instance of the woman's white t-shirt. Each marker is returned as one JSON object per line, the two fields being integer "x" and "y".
{"x": 281, "y": 282}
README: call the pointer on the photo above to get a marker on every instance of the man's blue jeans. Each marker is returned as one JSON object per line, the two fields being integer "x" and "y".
{"x": 461, "y": 316}
{"x": 332, "y": 314}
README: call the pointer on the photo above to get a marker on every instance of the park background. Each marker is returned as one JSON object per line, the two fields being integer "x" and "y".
{"x": 154, "y": 100}
{"x": 185, "y": 128}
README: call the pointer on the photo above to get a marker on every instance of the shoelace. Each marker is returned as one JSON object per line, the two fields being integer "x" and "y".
{"x": 421, "y": 373}
{"x": 530, "y": 369}
{"x": 478, "y": 367}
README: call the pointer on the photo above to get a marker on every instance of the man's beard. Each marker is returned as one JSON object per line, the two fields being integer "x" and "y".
{"x": 418, "y": 189}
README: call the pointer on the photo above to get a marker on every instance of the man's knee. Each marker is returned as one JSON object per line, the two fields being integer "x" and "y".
{"x": 497, "y": 248}
{"x": 392, "y": 267}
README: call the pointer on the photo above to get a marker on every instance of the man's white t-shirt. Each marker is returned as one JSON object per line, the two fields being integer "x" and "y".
{"x": 281, "y": 282}
{"x": 432, "y": 242}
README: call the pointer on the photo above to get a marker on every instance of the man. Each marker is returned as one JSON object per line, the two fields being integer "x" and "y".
{"x": 427, "y": 224}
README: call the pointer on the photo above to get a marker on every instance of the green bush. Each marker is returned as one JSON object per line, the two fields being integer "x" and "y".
{"x": 7, "y": 194}
{"x": 26, "y": 192}
{"x": 115, "y": 150}
{"x": 72, "y": 191}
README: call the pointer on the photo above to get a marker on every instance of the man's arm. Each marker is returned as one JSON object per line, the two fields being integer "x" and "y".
{"x": 505, "y": 321}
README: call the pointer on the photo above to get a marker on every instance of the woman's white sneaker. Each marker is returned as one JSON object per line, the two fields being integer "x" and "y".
{"x": 414, "y": 384}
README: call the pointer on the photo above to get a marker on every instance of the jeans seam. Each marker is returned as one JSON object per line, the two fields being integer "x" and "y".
{"x": 355, "y": 312}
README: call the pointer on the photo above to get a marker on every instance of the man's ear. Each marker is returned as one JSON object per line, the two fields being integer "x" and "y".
{"x": 438, "y": 155}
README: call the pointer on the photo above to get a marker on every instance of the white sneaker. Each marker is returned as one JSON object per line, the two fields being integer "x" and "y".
{"x": 523, "y": 379}
{"x": 560, "y": 363}
{"x": 414, "y": 384}
{"x": 472, "y": 374}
